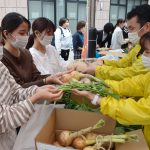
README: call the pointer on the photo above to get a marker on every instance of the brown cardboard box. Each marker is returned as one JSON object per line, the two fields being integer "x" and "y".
{"x": 65, "y": 119}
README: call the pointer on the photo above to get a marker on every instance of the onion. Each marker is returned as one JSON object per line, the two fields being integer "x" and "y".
{"x": 91, "y": 136}
{"x": 89, "y": 148}
{"x": 66, "y": 137}
{"x": 79, "y": 143}
{"x": 56, "y": 143}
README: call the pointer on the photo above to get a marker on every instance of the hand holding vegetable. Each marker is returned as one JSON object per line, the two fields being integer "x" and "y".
{"x": 48, "y": 92}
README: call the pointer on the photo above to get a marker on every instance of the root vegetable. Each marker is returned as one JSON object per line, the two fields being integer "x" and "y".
{"x": 85, "y": 80}
{"x": 66, "y": 137}
{"x": 90, "y": 148}
{"x": 81, "y": 142}
{"x": 91, "y": 135}
{"x": 56, "y": 143}
{"x": 102, "y": 141}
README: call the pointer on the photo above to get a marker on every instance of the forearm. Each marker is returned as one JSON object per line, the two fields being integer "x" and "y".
{"x": 15, "y": 115}
{"x": 127, "y": 111}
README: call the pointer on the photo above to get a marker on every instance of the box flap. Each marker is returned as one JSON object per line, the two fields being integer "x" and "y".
{"x": 67, "y": 119}
{"x": 141, "y": 145}
{"x": 47, "y": 133}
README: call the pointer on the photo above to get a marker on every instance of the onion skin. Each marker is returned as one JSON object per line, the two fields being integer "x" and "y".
{"x": 91, "y": 136}
{"x": 79, "y": 143}
{"x": 89, "y": 148}
{"x": 64, "y": 138}
{"x": 56, "y": 143}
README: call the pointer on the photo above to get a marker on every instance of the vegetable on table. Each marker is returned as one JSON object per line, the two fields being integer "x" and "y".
{"x": 66, "y": 137}
{"x": 100, "y": 141}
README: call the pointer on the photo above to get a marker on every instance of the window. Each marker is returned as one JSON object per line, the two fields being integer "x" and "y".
{"x": 120, "y": 8}
{"x": 75, "y": 10}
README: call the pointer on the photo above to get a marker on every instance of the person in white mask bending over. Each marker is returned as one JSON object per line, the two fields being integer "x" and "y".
{"x": 45, "y": 56}
{"x": 138, "y": 23}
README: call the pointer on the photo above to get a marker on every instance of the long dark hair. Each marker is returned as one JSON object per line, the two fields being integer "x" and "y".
{"x": 40, "y": 24}
{"x": 12, "y": 21}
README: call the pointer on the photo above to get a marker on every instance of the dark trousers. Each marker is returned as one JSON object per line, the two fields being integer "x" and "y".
{"x": 65, "y": 54}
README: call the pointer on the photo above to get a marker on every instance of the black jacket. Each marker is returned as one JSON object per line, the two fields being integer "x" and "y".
{"x": 100, "y": 37}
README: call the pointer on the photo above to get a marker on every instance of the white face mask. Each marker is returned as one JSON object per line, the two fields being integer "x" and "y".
{"x": 134, "y": 37}
{"x": 20, "y": 41}
{"x": 146, "y": 61}
{"x": 46, "y": 40}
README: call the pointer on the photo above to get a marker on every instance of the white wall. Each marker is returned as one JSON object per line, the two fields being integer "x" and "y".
{"x": 7, "y": 6}
{"x": 102, "y": 13}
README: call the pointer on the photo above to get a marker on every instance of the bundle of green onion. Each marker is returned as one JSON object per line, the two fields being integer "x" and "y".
{"x": 94, "y": 87}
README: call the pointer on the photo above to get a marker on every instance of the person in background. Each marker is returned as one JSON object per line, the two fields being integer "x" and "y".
{"x": 138, "y": 22}
{"x": 63, "y": 38}
{"x": 45, "y": 56}
{"x": 117, "y": 36}
{"x": 16, "y": 58}
{"x": 125, "y": 35}
{"x": 104, "y": 36}
{"x": 78, "y": 39}
{"x": 17, "y": 105}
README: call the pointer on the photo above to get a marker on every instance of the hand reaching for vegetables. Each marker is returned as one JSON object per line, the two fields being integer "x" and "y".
{"x": 90, "y": 96}
{"x": 90, "y": 69}
{"x": 47, "y": 92}
{"x": 56, "y": 78}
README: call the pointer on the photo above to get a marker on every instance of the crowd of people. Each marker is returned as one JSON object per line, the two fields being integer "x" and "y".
{"x": 31, "y": 64}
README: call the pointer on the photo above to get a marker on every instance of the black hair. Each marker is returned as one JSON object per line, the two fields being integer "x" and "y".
{"x": 142, "y": 13}
{"x": 80, "y": 25}
{"x": 120, "y": 21}
{"x": 108, "y": 27}
{"x": 62, "y": 21}
{"x": 12, "y": 21}
{"x": 40, "y": 24}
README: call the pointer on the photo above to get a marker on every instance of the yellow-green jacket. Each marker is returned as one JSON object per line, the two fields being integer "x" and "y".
{"x": 129, "y": 66}
{"x": 128, "y": 111}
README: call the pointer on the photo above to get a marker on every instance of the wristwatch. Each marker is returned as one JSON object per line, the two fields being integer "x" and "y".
{"x": 95, "y": 99}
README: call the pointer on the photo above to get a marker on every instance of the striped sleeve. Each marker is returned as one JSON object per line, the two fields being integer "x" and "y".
{"x": 15, "y": 115}
{"x": 18, "y": 93}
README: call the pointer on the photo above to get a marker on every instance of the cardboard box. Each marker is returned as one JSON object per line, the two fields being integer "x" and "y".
{"x": 65, "y": 119}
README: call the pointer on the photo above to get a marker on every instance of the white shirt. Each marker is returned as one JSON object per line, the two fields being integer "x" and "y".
{"x": 63, "y": 41}
{"x": 117, "y": 39}
{"x": 49, "y": 62}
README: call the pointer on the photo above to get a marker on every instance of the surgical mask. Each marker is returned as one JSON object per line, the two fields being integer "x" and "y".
{"x": 134, "y": 37}
{"x": 20, "y": 41}
{"x": 146, "y": 61}
{"x": 46, "y": 40}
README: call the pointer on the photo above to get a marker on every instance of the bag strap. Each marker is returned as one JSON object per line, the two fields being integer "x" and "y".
{"x": 62, "y": 33}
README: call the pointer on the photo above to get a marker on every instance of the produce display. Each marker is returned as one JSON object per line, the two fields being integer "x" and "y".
{"x": 86, "y": 139}
{"x": 80, "y": 81}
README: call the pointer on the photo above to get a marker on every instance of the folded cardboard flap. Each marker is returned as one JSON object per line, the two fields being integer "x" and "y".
{"x": 67, "y": 119}
{"x": 141, "y": 145}
{"x": 47, "y": 133}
